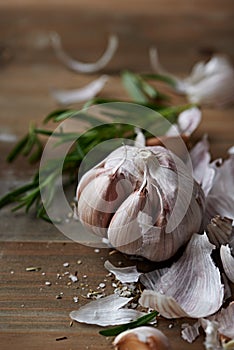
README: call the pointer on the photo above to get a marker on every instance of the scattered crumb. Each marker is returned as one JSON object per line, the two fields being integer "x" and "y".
{"x": 96, "y": 250}
{"x": 66, "y": 264}
{"x": 47, "y": 283}
{"x": 75, "y": 299}
{"x": 73, "y": 278}
{"x": 33, "y": 268}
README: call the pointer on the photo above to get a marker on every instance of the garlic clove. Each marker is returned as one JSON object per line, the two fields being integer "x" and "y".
{"x": 124, "y": 232}
{"x": 142, "y": 338}
{"x": 191, "y": 287}
{"x": 87, "y": 178}
{"x": 99, "y": 199}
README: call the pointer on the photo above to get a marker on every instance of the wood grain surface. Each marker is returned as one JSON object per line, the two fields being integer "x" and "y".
{"x": 184, "y": 31}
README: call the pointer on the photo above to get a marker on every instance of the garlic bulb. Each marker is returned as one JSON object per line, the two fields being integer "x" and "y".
{"x": 143, "y": 200}
{"x": 142, "y": 338}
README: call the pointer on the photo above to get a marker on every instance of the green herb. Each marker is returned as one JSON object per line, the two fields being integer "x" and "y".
{"x": 139, "y": 322}
{"x": 32, "y": 145}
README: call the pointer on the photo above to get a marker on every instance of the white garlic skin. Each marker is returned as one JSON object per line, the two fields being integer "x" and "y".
{"x": 129, "y": 197}
{"x": 142, "y": 338}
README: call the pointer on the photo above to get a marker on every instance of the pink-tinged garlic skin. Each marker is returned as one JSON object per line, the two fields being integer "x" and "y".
{"x": 192, "y": 286}
{"x": 142, "y": 338}
{"x": 143, "y": 200}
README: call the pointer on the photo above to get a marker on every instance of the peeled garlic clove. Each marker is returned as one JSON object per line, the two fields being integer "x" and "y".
{"x": 99, "y": 199}
{"x": 142, "y": 338}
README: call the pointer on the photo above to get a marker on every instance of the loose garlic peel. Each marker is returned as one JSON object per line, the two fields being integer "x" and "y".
{"x": 142, "y": 338}
{"x": 139, "y": 198}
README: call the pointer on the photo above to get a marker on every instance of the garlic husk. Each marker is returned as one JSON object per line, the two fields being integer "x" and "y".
{"x": 219, "y": 230}
{"x": 209, "y": 83}
{"x": 192, "y": 286}
{"x": 79, "y": 66}
{"x": 218, "y": 327}
{"x": 187, "y": 122}
{"x": 66, "y": 97}
{"x": 211, "y": 331}
{"x": 123, "y": 274}
{"x": 225, "y": 319}
{"x": 106, "y": 311}
{"x": 220, "y": 197}
{"x": 190, "y": 332}
{"x": 142, "y": 338}
{"x": 227, "y": 261}
{"x": 143, "y": 200}
{"x": 203, "y": 172}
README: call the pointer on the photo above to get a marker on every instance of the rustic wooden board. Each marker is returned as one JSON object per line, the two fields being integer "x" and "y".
{"x": 30, "y": 314}
{"x": 182, "y": 30}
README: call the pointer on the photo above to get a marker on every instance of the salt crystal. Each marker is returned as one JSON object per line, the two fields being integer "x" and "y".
{"x": 75, "y": 299}
{"x": 73, "y": 278}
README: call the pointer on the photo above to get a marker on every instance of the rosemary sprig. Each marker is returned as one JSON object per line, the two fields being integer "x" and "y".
{"x": 32, "y": 145}
{"x": 123, "y": 327}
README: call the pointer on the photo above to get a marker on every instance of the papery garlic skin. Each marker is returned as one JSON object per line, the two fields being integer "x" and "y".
{"x": 142, "y": 338}
{"x": 209, "y": 83}
{"x": 143, "y": 200}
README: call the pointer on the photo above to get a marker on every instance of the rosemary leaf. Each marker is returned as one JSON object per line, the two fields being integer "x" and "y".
{"x": 160, "y": 77}
{"x": 59, "y": 115}
{"x": 17, "y": 149}
{"x": 139, "y": 322}
{"x": 14, "y": 195}
{"x": 133, "y": 85}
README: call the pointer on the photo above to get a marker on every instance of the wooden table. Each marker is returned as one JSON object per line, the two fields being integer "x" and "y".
{"x": 31, "y": 316}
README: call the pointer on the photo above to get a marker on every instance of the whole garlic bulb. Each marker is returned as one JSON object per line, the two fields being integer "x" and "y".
{"x": 143, "y": 200}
